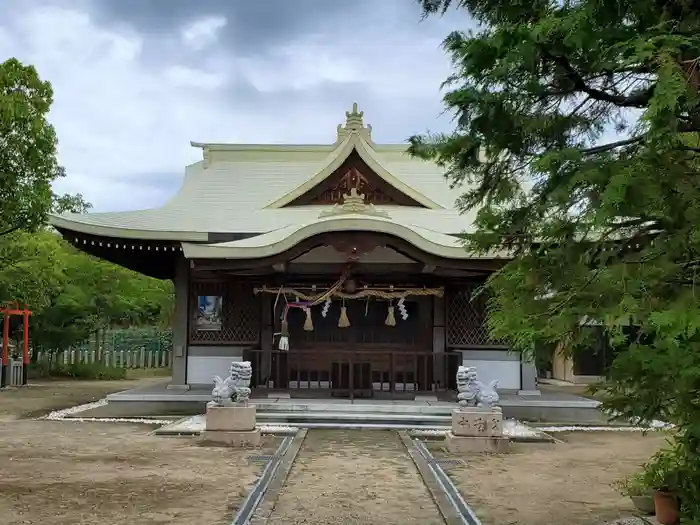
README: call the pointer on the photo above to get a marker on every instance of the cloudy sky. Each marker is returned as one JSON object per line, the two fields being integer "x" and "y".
{"x": 136, "y": 80}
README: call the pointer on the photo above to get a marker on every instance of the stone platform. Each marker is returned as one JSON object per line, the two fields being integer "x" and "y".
{"x": 157, "y": 400}
{"x": 232, "y": 426}
{"x": 227, "y": 418}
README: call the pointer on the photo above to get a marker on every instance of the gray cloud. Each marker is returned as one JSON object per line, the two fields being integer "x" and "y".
{"x": 136, "y": 80}
{"x": 252, "y": 26}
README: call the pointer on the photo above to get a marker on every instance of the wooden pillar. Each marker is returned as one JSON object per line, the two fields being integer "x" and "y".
{"x": 266, "y": 339}
{"x": 439, "y": 341}
{"x": 181, "y": 320}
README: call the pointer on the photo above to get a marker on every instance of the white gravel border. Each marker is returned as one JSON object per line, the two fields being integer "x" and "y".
{"x": 62, "y": 415}
{"x": 195, "y": 424}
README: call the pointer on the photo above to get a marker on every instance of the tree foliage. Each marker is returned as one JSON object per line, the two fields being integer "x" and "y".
{"x": 73, "y": 295}
{"x": 577, "y": 139}
{"x": 28, "y": 163}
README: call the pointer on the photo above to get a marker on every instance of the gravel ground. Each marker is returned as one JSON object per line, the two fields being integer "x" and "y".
{"x": 564, "y": 484}
{"x": 354, "y": 477}
{"x": 72, "y": 473}
{"x": 68, "y": 473}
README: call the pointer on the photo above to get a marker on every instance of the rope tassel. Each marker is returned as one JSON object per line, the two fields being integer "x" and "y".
{"x": 343, "y": 321}
{"x": 390, "y": 317}
{"x": 308, "y": 322}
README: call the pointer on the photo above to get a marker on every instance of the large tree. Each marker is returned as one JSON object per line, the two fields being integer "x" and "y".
{"x": 577, "y": 140}
{"x": 28, "y": 144}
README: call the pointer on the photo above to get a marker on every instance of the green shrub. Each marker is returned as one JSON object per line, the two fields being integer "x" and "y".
{"x": 635, "y": 484}
{"x": 38, "y": 370}
{"x": 662, "y": 472}
{"x": 93, "y": 371}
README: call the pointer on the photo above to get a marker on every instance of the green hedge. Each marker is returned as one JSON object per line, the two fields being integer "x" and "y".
{"x": 76, "y": 371}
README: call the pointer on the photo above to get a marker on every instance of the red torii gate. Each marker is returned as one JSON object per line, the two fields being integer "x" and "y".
{"x": 7, "y": 312}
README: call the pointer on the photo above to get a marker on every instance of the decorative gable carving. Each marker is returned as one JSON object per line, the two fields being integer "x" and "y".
{"x": 353, "y": 202}
{"x": 354, "y": 174}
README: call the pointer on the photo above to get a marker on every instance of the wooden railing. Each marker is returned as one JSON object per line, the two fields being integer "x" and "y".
{"x": 353, "y": 373}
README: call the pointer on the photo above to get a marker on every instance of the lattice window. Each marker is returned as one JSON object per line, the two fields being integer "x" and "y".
{"x": 466, "y": 317}
{"x": 240, "y": 313}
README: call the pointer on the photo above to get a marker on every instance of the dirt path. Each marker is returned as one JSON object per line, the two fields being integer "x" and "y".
{"x": 68, "y": 473}
{"x": 354, "y": 477}
{"x": 568, "y": 483}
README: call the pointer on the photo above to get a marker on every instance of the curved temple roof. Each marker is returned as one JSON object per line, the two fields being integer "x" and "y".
{"x": 281, "y": 240}
{"x": 246, "y": 189}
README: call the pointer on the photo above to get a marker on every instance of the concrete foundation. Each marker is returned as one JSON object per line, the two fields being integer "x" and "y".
{"x": 156, "y": 400}
{"x": 230, "y": 418}
{"x": 232, "y": 426}
{"x": 463, "y": 445}
{"x": 231, "y": 439}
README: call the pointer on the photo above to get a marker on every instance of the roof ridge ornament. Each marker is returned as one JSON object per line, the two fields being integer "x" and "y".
{"x": 353, "y": 203}
{"x": 354, "y": 124}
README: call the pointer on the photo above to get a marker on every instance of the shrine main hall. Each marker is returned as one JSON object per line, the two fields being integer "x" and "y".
{"x": 335, "y": 269}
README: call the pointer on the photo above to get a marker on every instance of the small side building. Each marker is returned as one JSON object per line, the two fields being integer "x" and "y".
{"x": 335, "y": 269}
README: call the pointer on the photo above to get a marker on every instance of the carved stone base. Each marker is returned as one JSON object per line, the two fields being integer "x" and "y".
{"x": 477, "y": 422}
{"x": 231, "y": 439}
{"x": 230, "y": 418}
{"x": 461, "y": 445}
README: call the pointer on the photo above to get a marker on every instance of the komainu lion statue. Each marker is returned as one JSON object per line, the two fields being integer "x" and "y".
{"x": 473, "y": 392}
{"x": 235, "y": 388}
{"x": 224, "y": 391}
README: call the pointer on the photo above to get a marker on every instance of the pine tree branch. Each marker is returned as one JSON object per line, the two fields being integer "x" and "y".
{"x": 638, "y": 99}
{"x": 612, "y": 145}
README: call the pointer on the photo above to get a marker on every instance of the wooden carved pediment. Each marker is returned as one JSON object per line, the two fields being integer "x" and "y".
{"x": 354, "y": 174}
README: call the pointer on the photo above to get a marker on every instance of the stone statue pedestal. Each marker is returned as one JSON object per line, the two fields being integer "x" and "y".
{"x": 476, "y": 430}
{"x": 232, "y": 425}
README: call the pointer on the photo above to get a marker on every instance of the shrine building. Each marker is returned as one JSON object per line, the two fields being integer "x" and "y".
{"x": 335, "y": 269}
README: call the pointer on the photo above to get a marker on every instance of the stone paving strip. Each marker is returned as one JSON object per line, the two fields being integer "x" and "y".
{"x": 353, "y": 477}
